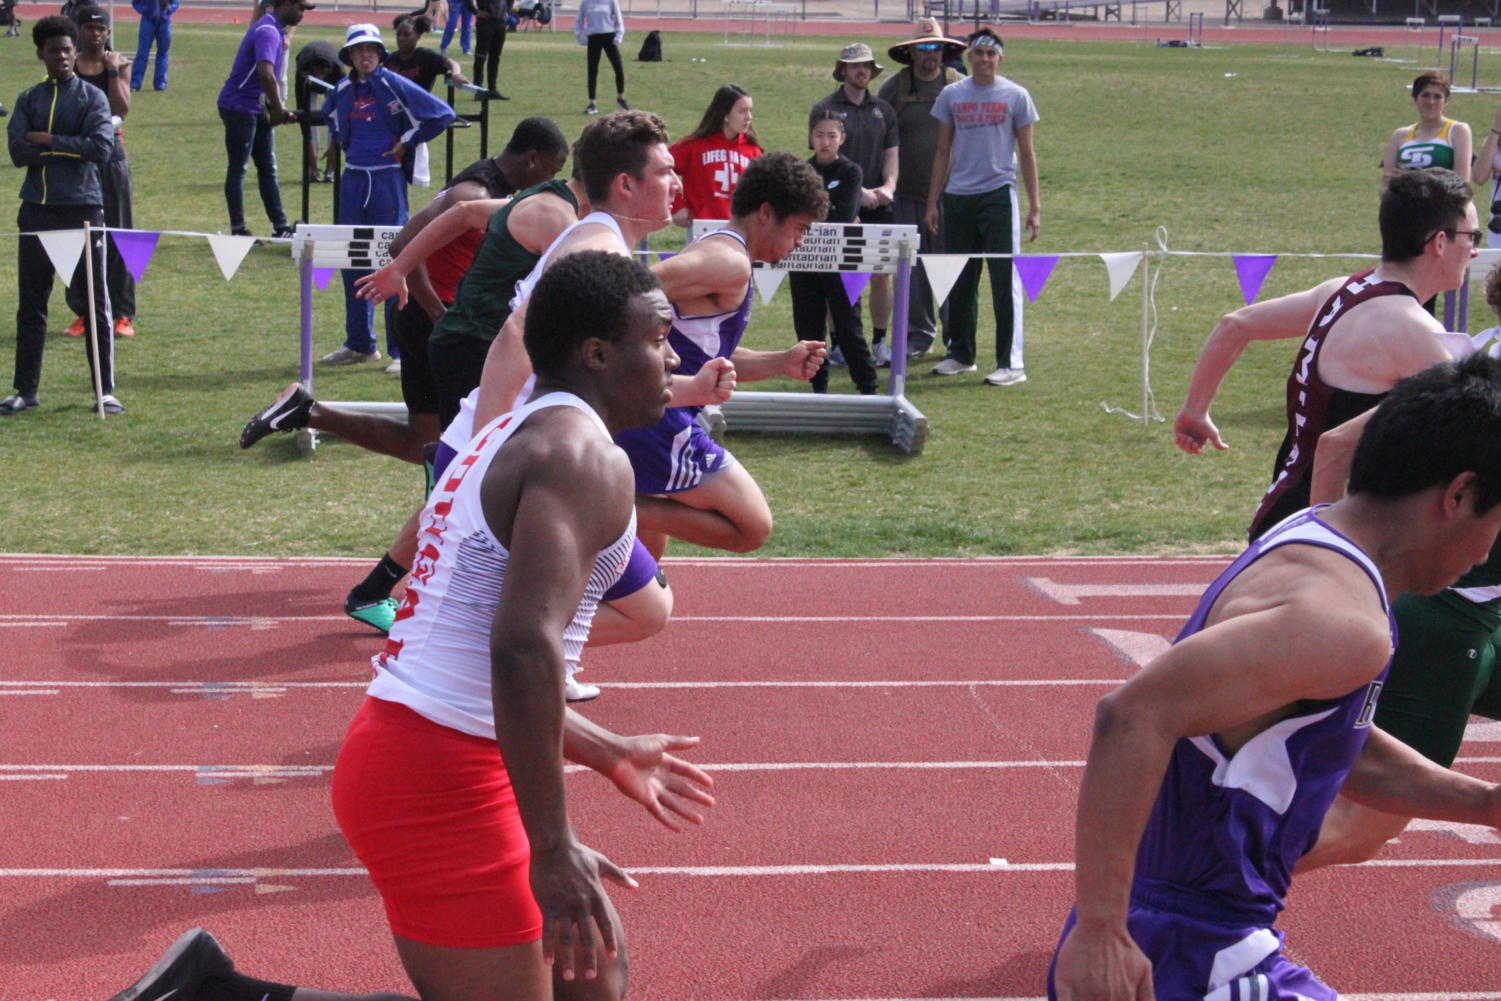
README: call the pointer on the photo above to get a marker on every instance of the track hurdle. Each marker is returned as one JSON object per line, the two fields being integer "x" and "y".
{"x": 1196, "y": 29}
{"x": 842, "y": 247}
{"x": 1457, "y": 43}
{"x": 1413, "y": 36}
{"x": 1447, "y": 23}
{"x": 360, "y": 247}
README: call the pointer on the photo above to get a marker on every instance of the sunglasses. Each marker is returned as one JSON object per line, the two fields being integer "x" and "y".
{"x": 929, "y": 47}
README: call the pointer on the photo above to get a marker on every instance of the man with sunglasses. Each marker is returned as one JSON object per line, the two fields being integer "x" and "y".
{"x": 1361, "y": 334}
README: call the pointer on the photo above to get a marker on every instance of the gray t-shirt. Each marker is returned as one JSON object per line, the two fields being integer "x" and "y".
{"x": 985, "y": 120}
{"x": 918, "y": 130}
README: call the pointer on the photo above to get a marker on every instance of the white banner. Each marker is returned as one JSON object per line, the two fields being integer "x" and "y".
{"x": 943, "y": 270}
{"x": 230, "y": 251}
{"x": 768, "y": 280}
{"x": 64, "y": 248}
{"x": 1120, "y": 267}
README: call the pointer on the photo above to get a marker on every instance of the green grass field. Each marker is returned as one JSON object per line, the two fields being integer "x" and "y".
{"x": 1245, "y": 149}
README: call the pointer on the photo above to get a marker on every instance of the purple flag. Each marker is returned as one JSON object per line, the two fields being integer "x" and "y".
{"x": 664, "y": 254}
{"x": 854, "y": 284}
{"x": 1034, "y": 272}
{"x": 135, "y": 249}
{"x": 1252, "y": 270}
{"x": 321, "y": 277}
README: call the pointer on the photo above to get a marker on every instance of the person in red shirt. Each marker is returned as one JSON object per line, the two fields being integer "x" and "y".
{"x": 712, "y": 158}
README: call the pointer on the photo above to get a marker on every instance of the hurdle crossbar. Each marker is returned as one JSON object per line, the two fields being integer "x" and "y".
{"x": 835, "y": 247}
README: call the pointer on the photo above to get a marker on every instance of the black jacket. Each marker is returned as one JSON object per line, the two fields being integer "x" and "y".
{"x": 77, "y": 115}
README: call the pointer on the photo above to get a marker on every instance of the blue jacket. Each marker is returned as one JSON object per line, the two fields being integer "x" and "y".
{"x": 408, "y": 111}
{"x": 151, "y": 10}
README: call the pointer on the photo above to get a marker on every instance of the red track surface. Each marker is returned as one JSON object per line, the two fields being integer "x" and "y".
{"x": 170, "y": 725}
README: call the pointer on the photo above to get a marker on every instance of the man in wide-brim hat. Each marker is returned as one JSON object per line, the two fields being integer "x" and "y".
{"x": 928, "y": 39}
{"x": 871, "y": 141}
{"x": 911, "y": 90}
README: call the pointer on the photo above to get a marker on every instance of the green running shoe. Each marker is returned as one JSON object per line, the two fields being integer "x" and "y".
{"x": 379, "y": 615}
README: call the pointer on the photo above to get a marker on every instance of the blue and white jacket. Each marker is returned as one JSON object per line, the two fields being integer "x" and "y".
{"x": 409, "y": 112}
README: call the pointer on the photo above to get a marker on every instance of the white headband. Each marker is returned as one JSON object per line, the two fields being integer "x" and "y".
{"x": 987, "y": 42}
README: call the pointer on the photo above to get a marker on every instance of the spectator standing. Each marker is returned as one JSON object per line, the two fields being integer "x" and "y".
{"x": 871, "y": 140}
{"x": 251, "y": 105}
{"x": 377, "y": 117}
{"x": 601, "y": 27}
{"x": 1433, "y": 140}
{"x": 317, "y": 60}
{"x": 711, "y": 159}
{"x": 490, "y": 26}
{"x": 422, "y": 67}
{"x": 100, "y": 66}
{"x": 156, "y": 29}
{"x": 459, "y": 13}
{"x": 912, "y": 92}
{"x": 60, "y": 132}
{"x": 984, "y": 131}
{"x": 820, "y": 295}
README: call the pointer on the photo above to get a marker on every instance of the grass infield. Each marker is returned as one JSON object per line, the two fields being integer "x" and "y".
{"x": 1247, "y": 149}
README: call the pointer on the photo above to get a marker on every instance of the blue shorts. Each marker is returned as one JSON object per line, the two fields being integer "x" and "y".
{"x": 674, "y": 454}
{"x": 1188, "y": 955}
{"x": 640, "y": 570}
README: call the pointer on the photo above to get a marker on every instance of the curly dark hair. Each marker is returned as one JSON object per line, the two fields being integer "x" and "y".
{"x": 615, "y": 144}
{"x": 421, "y": 23}
{"x": 1493, "y": 289}
{"x": 52, "y": 27}
{"x": 582, "y": 295}
{"x": 783, "y": 181}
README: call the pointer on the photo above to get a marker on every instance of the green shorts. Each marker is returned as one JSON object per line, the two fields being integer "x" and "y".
{"x": 1443, "y": 671}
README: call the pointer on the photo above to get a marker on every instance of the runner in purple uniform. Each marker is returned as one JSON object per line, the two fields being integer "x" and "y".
{"x": 1261, "y": 713}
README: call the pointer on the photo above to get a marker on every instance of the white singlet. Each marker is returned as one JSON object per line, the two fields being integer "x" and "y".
{"x": 525, "y": 286}
{"x": 436, "y": 661}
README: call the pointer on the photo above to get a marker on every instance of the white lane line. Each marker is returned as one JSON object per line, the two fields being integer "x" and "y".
{"x": 727, "y": 562}
{"x": 23, "y": 619}
{"x": 314, "y": 771}
{"x": 1070, "y": 594}
{"x": 277, "y": 687}
{"x": 694, "y": 871}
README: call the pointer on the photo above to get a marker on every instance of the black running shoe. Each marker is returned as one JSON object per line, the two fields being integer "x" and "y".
{"x": 288, "y": 413}
{"x": 193, "y": 959}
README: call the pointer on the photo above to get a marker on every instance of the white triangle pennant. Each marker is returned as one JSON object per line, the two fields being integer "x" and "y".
{"x": 768, "y": 280}
{"x": 64, "y": 247}
{"x": 1120, "y": 268}
{"x": 943, "y": 270}
{"x": 230, "y": 251}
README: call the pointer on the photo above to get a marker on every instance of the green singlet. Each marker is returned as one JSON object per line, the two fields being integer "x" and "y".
{"x": 1415, "y": 153}
{"x": 482, "y": 302}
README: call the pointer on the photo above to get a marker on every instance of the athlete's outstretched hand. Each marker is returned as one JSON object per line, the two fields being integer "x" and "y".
{"x": 1193, "y": 433}
{"x": 1102, "y": 965}
{"x": 576, "y": 926}
{"x": 714, "y": 383}
{"x": 804, "y": 359}
{"x": 378, "y": 286}
{"x": 670, "y": 788}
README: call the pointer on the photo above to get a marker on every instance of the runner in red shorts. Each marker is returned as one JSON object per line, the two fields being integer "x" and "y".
{"x": 449, "y": 785}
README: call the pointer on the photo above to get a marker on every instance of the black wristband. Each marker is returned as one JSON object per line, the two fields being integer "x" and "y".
{"x": 112, "y": 74}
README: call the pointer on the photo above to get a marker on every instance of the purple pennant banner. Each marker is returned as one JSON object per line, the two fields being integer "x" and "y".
{"x": 135, "y": 250}
{"x": 1252, "y": 270}
{"x": 1034, "y": 272}
{"x": 664, "y": 254}
{"x": 854, "y": 284}
{"x": 321, "y": 277}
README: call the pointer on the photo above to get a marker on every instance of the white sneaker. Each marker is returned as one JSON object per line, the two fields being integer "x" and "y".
{"x": 394, "y": 368}
{"x": 952, "y": 366}
{"x": 346, "y": 356}
{"x": 575, "y": 692}
{"x": 883, "y": 354}
{"x": 1006, "y": 377}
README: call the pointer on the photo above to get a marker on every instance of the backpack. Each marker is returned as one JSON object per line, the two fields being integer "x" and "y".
{"x": 651, "y": 48}
{"x": 906, "y": 88}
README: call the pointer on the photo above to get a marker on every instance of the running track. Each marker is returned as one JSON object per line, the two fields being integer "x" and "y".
{"x": 170, "y": 724}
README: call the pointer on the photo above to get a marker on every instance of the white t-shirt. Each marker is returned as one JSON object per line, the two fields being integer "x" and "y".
{"x": 984, "y": 120}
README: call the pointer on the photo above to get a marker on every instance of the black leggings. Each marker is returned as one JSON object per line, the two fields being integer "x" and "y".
{"x": 604, "y": 42}
{"x": 489, "y": 42}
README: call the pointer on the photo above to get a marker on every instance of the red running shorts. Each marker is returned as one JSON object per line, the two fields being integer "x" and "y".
{"x": 431, "y": 814}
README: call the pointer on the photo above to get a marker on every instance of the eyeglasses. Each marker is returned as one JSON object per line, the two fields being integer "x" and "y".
{"x": 1473, "y": 234}
{"x": 929, "y": 46}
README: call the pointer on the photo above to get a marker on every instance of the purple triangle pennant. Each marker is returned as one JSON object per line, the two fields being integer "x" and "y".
{"x": 664, "y": 254}
{"x": 321, "y": 277}
{"x": 135, "y": 249}
{"x": 1034, "y": 271}
{"x": 1252, "y": 270}
{"x": 854, "y": 284}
